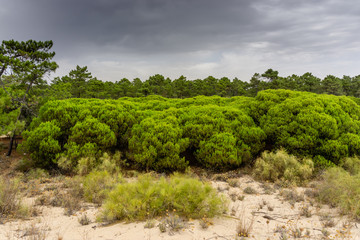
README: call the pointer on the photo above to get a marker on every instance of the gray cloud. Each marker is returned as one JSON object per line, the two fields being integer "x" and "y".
{"x": 138, "y": 38}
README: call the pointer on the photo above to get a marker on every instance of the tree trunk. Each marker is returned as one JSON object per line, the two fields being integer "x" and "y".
{"x": 13, "y": 136}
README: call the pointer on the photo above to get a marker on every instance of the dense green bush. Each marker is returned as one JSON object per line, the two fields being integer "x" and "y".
{"x": 149, "y": 197}
{"x": 313, "y": 124}
{"x": 219, "y": 133}
{"x": 157, "y": 144}
{"x": 284, "y": 167}
{"x": 222, "y": 152}
{"x": 209, "y": 127}
{"x": 43, "y": 144}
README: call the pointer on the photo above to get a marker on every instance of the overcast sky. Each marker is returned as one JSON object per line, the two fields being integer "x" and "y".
{"x": 194, "y": 38}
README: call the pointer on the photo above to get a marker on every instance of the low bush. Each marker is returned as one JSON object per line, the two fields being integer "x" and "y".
{"x": 97, "y": 185}
{"x": 10, "y": 205}
{"x": 150, "y": 197}
{"x": 341, "y": 189}
{"x": 284, "y": 167}
{"x": 351, "y": 165}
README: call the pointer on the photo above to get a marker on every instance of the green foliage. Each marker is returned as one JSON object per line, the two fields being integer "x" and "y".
{"x": 339, "y": 188}
{"x": 97, "y": 185}
{"x": 155, "y": 133}
{"x": 43, "y": 144}
{"x": 351, "y": 165}
{"x": 92, "y": 130}
{"x": 221, "y": 135}
{"x": 222, "y": 152}
{"x": 157, "y": 144}
{"x": 310, "y": 125}
{"x": 284, "y": 167}
{"x": 150, "y": 197}
{"x": 10, "y": 205}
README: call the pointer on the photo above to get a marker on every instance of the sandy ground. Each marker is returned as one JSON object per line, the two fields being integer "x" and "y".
{"x": 271, "y": 216}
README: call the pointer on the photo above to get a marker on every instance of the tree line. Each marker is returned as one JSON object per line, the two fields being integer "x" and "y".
{"x": 24, "y": 66}
{"x": 79, "y": 83}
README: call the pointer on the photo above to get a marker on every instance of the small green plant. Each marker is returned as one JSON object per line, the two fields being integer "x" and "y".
{"x": 205, "y": 222}
{"x": 296, "y": 232}
{"x": 305, "y": 211}
{"x": 325, "y": 233}
{"x": 162, "y": 227}
{"x": 244, "y": 227}
{"x": 280, "y": 166}
{"x": 174, "y": 222}
{"x": 233, "y": 182}
{"x": 84, "y": 220}
{"x": 292, "y": 196}
{"x": 250, "y": 190}
{"x": 233, "y": 196}
{"x": 150, "y": 223}
{"x": 327, "y": 221}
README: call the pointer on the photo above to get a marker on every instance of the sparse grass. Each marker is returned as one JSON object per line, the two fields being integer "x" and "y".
{"x": 152, "y": 197}
{"x": 84, "y": 220}
{"x": 162, "y": 227}
{"x": 244, "y": 227}
{"x": 205, "y": 222}
{"x": 292, "y": 196}
{"x": 280, "y": 166}
{"x": 327, "y": 221}
{"x": 305, "y": 211}
{"x": 241, "y": 197}
{"x": 250, "y": 190}
{"x": 10, "y": 204}
{"x": 268, "y": 189}
{"x": 150, "y": 223}
{"x": 341, "y": 189}
{"x": 98, "y": 184}
{"x": 174, "y": 222}
{"x": 233, "y": 196}
{"x": 233, "y": 182}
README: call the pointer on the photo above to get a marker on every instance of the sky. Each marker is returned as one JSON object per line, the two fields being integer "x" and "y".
{"x": 119, "y": 39}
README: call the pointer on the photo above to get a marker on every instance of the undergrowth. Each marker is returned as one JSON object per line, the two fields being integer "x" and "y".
{"x": 10, "y": 204}
{"x": 280, "y": 166}
{"x": 150, "y": 197}
{"x": 341, "y": 189}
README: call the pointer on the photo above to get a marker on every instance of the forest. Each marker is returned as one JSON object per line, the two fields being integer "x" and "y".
{"x": 166, "y": 125}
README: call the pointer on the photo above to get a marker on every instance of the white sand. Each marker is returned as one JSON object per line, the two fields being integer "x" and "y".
{"x": 268, "y": 211}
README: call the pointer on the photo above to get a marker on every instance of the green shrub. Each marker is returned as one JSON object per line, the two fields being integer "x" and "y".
{"x": 151, "y": 197}
{"x": 97, "y": 185}
{"x": 321, "y": 163}
{"x": 10, "y": 204}
{"x": 157, "y": 144}
{"x": 312, "y": 124}
{"x": 351, "y": 164}
{"x": 112, "y": 164}
{"x": 339, "y": 188}
{"x": 284, "y": 167}
{"x": 43, "y": 144}
{"x": 222, "y": 151}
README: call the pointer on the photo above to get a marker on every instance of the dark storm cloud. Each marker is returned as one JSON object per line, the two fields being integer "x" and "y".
{"x": 189, "y": 35}
{"x": 155, "y": 25}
